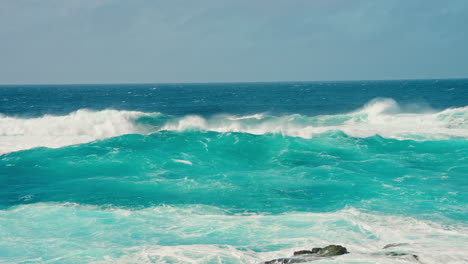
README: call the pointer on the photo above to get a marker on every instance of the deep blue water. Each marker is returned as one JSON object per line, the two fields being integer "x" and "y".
{"x": 308, "y": 98}
{"x": 233, "y": 173}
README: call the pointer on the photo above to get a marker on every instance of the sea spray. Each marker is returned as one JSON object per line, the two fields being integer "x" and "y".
{"x": 380, "y": 117}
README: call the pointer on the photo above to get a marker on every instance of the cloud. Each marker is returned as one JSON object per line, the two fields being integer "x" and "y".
{"x": 227, "y": 40}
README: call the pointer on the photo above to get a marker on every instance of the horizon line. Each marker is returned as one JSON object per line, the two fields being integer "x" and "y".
{"x": 240, "y": 82}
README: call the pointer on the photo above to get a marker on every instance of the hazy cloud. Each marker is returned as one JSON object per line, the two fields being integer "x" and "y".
{"x": 52, "y": 41}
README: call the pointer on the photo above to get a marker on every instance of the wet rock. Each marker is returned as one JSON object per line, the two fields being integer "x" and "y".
{"x": 286, "y": 261}
{"x": 311, "y": 255}
{"x": 408, "y": 256}
{"x": 307, "y": 252}
{"x": 400, "y": 254}
{"x": 332, "y": 250}
{"x": 304, "y": 252}
{"x": 328, "y": 251}
{"x": 316, "y": 250}
{"x": 395, "y": 245}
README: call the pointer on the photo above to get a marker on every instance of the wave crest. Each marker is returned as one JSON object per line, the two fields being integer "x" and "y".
{"x": 57, "y": 131}
{"x": 383, "y": 117}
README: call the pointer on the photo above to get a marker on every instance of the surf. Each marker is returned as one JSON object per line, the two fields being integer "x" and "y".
{"x": 205, "y": 234}
{"x": 383, "y": 117}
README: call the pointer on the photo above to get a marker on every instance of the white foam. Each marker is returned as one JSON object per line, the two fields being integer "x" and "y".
{"x": 382, "y": 117}
{"x": 363, "y": 234}
{"x": 57, "y": 131}
{"x": 204, "y": 234}
{"x": 256, "y": 116}
{"x": 183, "y": 161}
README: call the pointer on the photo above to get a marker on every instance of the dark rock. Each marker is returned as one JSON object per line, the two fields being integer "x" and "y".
{"x": 304, "y": 252}
{"x": 400, "y": 254}
{"x": 395, "y": 254}
{"x": 332, "y": 250}
{"x": 307, "y": 252}
{"x": 328, "y": 251}
{"x": 395, "y": 245}
{"x": 316, "y": 250}
{"x": 311, "y": 255}
{"x": 286, "y": 261}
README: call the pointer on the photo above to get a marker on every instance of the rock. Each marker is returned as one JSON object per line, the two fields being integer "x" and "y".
{"x": 307, "y": 252}
{"x": 304, "y": 252}
{"x": 332, "y": 250}
{"x": 311, "y": 255}
{"x": 400, "y": 254}
{"x": 316, "y": 250}
{"x": 395, "y": 245}
{"x": 286, "y": 261}
{"x": 328, "y": 251}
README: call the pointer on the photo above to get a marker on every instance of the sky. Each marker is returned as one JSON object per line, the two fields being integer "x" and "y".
{"x": 154, "y": 41}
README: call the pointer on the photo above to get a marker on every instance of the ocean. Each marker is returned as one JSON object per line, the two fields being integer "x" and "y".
{"x": 234, "y": 172}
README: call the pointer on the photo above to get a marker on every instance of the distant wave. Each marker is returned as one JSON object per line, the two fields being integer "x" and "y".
{"x": 382, "y": 117}
{"x": 379, "y": 117}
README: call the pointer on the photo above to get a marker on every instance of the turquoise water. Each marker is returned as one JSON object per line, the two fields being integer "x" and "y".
{"x": 143, "y": 186}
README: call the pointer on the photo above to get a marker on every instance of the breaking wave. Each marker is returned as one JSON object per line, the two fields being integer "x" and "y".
{"x": 57, "y": 131}
{"x": 382, "y": 117}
